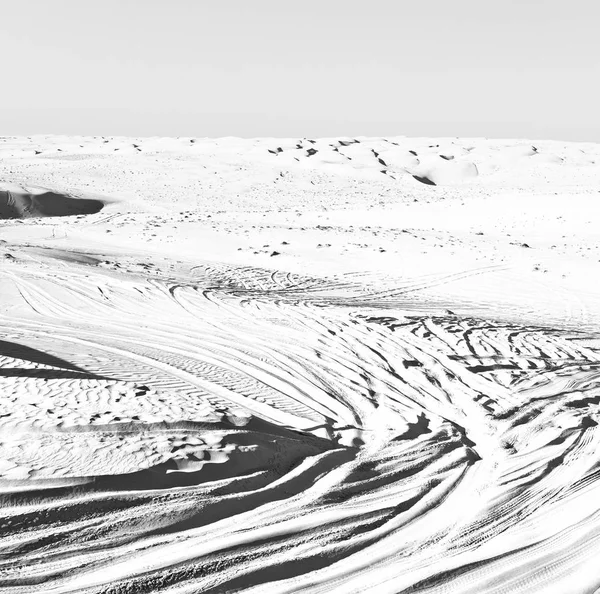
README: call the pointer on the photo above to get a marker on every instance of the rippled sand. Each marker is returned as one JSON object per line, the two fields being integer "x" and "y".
{"x": 341, "y": 365}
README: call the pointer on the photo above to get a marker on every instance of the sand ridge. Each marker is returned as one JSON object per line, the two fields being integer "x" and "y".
{"x": 21, "y": 203}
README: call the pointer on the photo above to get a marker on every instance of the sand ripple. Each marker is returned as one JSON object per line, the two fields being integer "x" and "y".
{"x": 239, "y": 429}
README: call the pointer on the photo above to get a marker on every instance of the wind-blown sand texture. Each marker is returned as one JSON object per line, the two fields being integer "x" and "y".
{"x": 320, "y": 366}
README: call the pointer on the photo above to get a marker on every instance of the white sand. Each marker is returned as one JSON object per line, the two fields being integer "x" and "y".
{"x": 299, "y": 365}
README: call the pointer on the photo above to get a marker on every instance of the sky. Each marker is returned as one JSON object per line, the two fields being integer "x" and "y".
{"x": 471, "y": 68}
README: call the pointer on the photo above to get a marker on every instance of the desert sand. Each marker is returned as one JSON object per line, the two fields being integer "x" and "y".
{"x": 299, "y": 365}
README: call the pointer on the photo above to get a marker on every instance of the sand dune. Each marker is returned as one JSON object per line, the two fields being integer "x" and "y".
{"x": 281, "y": 365}
{"x": 22, "y": 203}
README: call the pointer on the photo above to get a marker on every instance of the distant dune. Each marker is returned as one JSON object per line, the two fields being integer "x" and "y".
{"x": 25, "y": 203}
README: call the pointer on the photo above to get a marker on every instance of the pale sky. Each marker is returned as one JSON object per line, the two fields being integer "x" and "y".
{"x": 495, "y": 68}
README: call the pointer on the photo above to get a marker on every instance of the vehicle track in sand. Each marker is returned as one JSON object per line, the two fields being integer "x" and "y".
{"x": 240, "y": 429}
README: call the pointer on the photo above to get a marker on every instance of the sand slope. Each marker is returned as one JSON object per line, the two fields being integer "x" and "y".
{"x": 22, "y": 203}
{"x": 285, "y": 365}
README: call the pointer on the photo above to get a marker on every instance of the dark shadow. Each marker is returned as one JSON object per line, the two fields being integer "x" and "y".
{"x": 495, "y": 367}
{"x": 256, "y": 432}
{"x": 23, "y": 205}
{"x": 421, "y": 427}
{"x": 584, "y": 402}
{"x": 47, "y": 374}
{"x": 444, "y": 578}
{"x": 167, "y": 475}
{"x": 309, "y": 564}
{"x": 19, "y": 351}
{"x": 424, "y": 180}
